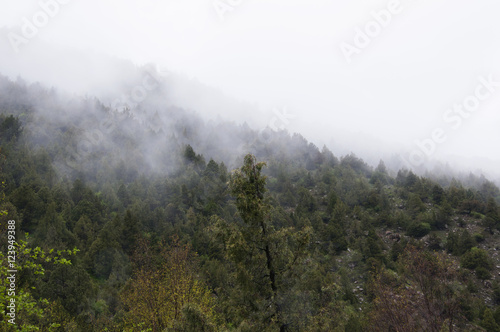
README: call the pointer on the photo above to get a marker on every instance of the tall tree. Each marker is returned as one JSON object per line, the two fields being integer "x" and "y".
{"x": 265, "y": 258}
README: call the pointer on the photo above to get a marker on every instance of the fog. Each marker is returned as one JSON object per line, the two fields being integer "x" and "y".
{"x": 414, "y": 82}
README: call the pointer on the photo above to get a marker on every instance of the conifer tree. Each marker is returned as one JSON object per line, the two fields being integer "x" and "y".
{"x": 265, "y": 258}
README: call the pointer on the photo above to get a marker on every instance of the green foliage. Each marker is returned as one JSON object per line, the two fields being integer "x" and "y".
{"x": 488, "y": 321}
{"x": 415, "y": 205}
{"x": 164, "y": 292}
{"x": 10, "y": 128}
{"x": 482, "y": 273}
{"x": 418, "y": 229}
{"x": 452, "y": 243}
{"x": 465, "y": 242}
{"x": 265, "y": 259}
{"x": 438, "y": 194}
{"x": 476, "y": 258}
{"x": 30, "y": 310}
{"x": 434, "y": 242}
{"x": 478, "y": 237}
{"x": 296, "y": 246}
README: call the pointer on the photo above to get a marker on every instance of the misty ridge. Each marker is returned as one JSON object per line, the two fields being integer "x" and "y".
{"x": 162, "y": 168}
{"x": 376, "y": 104}
{"x": 90, "y": 111}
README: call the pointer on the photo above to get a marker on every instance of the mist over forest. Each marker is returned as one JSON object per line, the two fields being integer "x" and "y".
{"x": 152, "y": 92}
{"x": 241, "y": 166}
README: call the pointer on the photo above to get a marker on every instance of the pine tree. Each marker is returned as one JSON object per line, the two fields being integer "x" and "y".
{"x": 130, "y": 232}
{"x": 265, "y": 257}
{"x": 489, "y": 322}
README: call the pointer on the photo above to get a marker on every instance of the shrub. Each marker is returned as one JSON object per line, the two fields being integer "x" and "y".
{"x": 482, "y": 273}
{"x": 478, "y": 237}
{"x": 476, "y": 258}
{"x": 418, "y": 230}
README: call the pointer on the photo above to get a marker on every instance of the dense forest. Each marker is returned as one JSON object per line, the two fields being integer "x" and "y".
{"x": 152, "y": 219}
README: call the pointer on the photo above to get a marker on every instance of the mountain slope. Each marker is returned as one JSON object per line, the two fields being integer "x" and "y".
{"x": 146, "y": 193}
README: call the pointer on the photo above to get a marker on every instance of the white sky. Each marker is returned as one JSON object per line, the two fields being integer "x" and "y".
{"x": 286, "y": 53}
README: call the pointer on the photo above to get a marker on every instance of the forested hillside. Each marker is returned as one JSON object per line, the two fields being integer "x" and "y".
{"x": 151, "y": 219}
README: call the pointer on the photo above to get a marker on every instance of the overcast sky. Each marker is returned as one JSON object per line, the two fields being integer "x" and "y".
{"x": 372, "y": 75}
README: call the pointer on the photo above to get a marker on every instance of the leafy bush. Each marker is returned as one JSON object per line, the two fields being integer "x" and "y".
{"x": 476, "y": 258}
{"x": 482, "y": 273}
{"x": 418, "y": 230}
{"x": 478, "y": 237}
